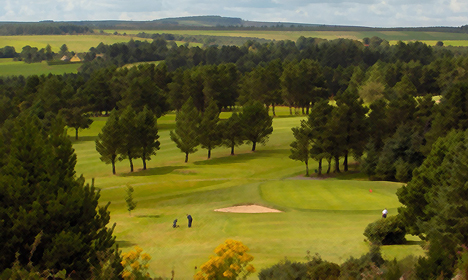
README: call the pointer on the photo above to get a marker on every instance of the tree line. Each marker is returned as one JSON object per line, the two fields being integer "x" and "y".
{"x": 129, "y": 134}
{"x": 42, "y": 28}
{"x": 334, "y": 53}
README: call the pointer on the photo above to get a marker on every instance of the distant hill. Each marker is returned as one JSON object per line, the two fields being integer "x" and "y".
{"x": 219, "y": 22}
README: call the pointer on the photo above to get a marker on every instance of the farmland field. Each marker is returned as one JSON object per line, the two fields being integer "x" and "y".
{"x": 453, "y": 38}
{"x": 325, "y": 216}
{"x": 8, "y": 67}
{"x": 76, "y": 43}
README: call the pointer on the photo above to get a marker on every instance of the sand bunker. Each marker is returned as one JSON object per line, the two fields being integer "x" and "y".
{"x": 248, "y": 209}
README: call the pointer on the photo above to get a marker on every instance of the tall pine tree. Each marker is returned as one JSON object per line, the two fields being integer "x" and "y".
{"x": 49, "y": 217}
{"x": 185, "y": 135}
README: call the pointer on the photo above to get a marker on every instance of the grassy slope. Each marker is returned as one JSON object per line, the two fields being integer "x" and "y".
{"x": 8, "y": 67}
{"x": 327, "y": 216}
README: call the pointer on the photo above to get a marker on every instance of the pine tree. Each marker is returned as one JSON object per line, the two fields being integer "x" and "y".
{"x": 129, "y": 148}
{"x": 301, "y": 147}
{"x": 110, "y": 140}
{"x": 41, "y": 198}
{"x": 317, "y": 123}
{"x": 185, "y": 134}
{"x": 256, "y": 123}
{"x": 146, "y": 134}
{"x": 210, "y": 135}
{"x": 131, "y": 205}
{"x": 232, "y": 132}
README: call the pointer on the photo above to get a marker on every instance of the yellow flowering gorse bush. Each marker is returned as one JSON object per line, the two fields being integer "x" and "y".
{"x": 231, "y": 262}
{"x": 135, "y": 265}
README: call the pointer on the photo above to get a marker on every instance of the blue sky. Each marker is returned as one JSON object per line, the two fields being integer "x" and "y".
{"x": 376, "y": 13}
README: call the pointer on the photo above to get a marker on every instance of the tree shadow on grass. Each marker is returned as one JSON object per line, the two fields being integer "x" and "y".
{"x": 124, "y": 243}
{"x": 166, "y": 126}
{"x": 148, "y": 216}
{"x": 154, "y": 171}
{"x": 413, "y": 242}
{"x": 244, "y": 157}
{"x": 82, "y": 139}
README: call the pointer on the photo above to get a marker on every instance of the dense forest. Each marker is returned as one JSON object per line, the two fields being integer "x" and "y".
{"x": 42, "y": 28}
{"x": 388, "y": 107}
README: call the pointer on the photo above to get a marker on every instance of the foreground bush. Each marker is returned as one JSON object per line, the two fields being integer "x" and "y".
{"x": 315, "y": 268}
{"x": 386, "y": 231}
{"x": 231, "y": 262}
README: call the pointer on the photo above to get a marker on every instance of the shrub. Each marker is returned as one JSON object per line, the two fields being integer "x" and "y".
{"x": 284, "y": 270}
{"x": 315, "y": 268}
{"x": 386, "y": 231}
{"x": 366, "y": 265}
{"x": 231, "y": 262}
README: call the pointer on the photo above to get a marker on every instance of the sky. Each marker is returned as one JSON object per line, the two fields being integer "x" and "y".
{"x": 374, "y": 13}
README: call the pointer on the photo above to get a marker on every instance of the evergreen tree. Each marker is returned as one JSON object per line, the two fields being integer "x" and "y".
{"x": 232, "y": 132}
{"x": 185, "y": 134}
{"x": 109, "y": 140}
{"x": 131, "y": 205}
{"x": 49, "y": 216}
{"x": 210, "y": 134}
{"x": 146, "y": 134}
{"x": 301, "y": 147}
{"x": 77, "y": 118}
{"x": 317, "y": 122}
{"x": 352, "y": 116}
{"x": 256, "y": 123}
{"x": 129, "y": 148}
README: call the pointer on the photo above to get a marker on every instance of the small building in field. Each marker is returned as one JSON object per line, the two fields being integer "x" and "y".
{"x": 75, "y": 58}
{"x": 65, "y": 58}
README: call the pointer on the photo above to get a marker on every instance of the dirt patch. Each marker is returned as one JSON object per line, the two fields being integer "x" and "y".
{"x": 248, "y": 209}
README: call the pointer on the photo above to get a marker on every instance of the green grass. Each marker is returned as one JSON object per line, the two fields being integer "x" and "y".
{"x": 130, "y": 65}
{"x": 8, "y": 67}
{"x": 323, "y": 216}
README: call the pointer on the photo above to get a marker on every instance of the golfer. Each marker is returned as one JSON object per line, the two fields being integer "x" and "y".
{"x": 189, "y": 218}
{"x": 384, "y": 213}
{"x": 174, "y": 225}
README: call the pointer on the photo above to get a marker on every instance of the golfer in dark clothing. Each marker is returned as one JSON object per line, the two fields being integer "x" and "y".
{"x": 189, "y": 218}
{"x": 174, "y": 225}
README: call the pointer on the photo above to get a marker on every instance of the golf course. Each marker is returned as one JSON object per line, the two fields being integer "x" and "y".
{"x": 325, "y": 215}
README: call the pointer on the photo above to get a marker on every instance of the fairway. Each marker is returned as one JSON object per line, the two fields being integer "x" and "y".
{"x": 323, "y": 216}
{"x": 332, "y": 195}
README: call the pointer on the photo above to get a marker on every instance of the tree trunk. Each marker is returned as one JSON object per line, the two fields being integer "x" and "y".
{"x": 113, "y": 167}
{"x": 76, "y": 135}
{"x": 254, "y": 144}
{"x": 232, "y": 149}
{"x": 319, "y": 167}
{"x": 209, "y": 153}
{"x": 131, "y": 162}
{"x": 307, "y": 168}
{"x": 273, "y": 109}
{"x": 307, "y": 109}
{"x": 337, "y": 164}
{"x": 186, "y": 157}
{"x": 290, "y": 110}
{"x": 329, "y": 165}
{"x": 302, "y": 108}
{"x": 143, "y": 158}
{"x": 345, "y": 162}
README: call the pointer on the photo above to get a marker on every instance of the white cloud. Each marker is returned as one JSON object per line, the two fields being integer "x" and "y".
{"x": 384, "y": 13}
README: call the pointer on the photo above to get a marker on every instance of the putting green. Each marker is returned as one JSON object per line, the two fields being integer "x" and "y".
{"x": 331, "y": 194}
